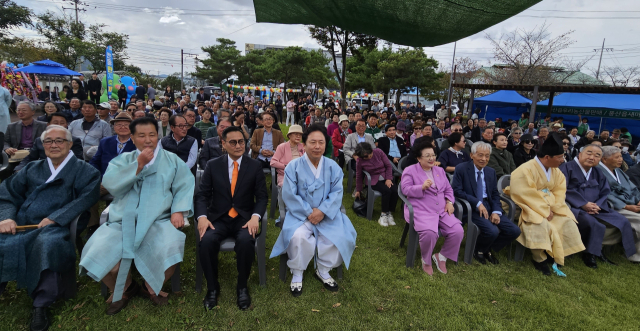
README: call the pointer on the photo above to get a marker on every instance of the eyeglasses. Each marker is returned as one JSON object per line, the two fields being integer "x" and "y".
{"x": 121, "y": 125}
{"x": 429, "y": 156}
{"x": 565, "y": 144}
{"x": 57, "y": 141}
{"x": 131, "y": 109}
{"x": 233, "y": 143}
{"x": 456, "y": 130}
{"x": 181, "y": 126}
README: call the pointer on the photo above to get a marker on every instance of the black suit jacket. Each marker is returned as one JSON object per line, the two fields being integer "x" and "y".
{"x": 214, "y": 197}
{"x": 384, "y": 145}
{"x": 464, "y": 186}
{"x": 210, "y": 150}
{"x": 199, "y": 97}
{"x": 476, "y": 135}
{"x": 634, "y": 174}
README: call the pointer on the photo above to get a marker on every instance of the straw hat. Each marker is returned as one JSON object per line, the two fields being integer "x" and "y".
{"x": 122, "y": 116}
{"x": 19, "y": 155}
{"x": 294, "y": 129}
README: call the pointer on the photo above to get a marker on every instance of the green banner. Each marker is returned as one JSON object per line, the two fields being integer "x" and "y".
{"x": 593, "y": 112}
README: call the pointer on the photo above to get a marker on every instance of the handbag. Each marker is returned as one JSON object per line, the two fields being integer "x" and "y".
{"x": 360, "y": 207}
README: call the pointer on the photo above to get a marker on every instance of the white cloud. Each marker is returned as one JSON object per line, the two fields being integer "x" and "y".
{"x": 170, "y": 19}
{"x": 171, "y": 15}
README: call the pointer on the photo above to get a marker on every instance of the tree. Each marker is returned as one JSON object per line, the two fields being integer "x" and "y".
{"x": 346, "y": 42}
{"x": 70, "y": 41}
{"x": 362, "y": 67}
{"x": 528, "y": 57}
{"x": 220, "y": 62}
{"x": 172, "y": 80}
{"x": 251, "y": 68}
{"x": 11, "y": 17}
{"x": 620, "y": 76}
{"x": 407, "y": 69}
{"x": 294, "y": 66}
{"x": 22, "y": 50}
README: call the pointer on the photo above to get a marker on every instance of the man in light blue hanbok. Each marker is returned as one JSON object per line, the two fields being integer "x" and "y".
{"x": 314, "y": 225}
{"x": 153, "y": 194}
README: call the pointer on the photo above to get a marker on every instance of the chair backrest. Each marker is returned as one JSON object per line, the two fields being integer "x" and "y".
{"x": 449, "y": 177}
{"x": 198, "y": 178}
{"x": 504, "y": 182}
{"x": 400, "y": 168}
{"x": 439, "y": 141}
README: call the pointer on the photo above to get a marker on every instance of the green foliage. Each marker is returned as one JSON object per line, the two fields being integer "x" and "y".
{"x": 23, "y": 50}
{"x": 220, "y": 62}
{"x": 363, "y": 67}
{"x": 251, "y": 68}
{"x": 69, "y": 41}
{"x": 12, "y": 16}
{"x": 295, "y": 66}
{"x": 172, "y": 80}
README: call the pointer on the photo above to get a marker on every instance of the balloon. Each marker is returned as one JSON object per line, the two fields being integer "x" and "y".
{"x": 114, "y": 92}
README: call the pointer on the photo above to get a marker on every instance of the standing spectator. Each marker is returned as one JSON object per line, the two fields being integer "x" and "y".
{"x": 523, "y": 122}
{"x": 291, "y": 106}
{"x": 168, "y": 94}
{"x": 202, "y": 96}
{"x": 122, "y": 96}
{"x": 376, "y": 163}
{"x": 583, "y": 127}
{"x": 151, "y": 92}
{"x": 140, "y": 92}
{"x": 94, "y": 88}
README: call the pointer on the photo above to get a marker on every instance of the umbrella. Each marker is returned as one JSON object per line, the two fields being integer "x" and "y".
{"x": 418, "y": 23}
{"x": 47, "y": 67}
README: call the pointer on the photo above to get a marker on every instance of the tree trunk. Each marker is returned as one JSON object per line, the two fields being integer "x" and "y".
{"x": 343, "y": 85}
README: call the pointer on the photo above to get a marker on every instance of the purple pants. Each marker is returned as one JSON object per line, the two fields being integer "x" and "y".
{"x": 452, "y": 240}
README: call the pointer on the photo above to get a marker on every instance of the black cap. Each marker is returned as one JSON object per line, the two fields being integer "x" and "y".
{"x": 552, "y": 146}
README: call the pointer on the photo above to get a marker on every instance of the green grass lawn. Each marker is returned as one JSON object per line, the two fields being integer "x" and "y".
{"x": 377, "y": 293}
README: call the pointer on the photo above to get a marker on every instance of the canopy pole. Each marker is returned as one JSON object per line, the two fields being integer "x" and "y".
{"x": 470, "y": 110}
{"x": 600, "y": 127}
{"x": 532, "y": 116}
{"x": 550, "y": 108}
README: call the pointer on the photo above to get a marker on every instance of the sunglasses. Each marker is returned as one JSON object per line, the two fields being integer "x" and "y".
{"x": 527, "y": 142}
{"x": 565, "y": 144}
{"x": 233, "y": 143}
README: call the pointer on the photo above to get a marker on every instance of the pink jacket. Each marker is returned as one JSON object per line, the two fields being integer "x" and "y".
{"x": 282, "y": 157}
{"x": 428, "y": 205}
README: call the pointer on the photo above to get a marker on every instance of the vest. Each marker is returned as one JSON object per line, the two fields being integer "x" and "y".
{"x": 182, "y": 149}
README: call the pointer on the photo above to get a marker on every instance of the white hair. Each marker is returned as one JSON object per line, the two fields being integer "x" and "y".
{"x": 480, "y": 145}
{"x": 28, "y": 103}
{"x": 590, "y": 145}
{"x": 53, "y": 127}
{"x": 609, "y": 151}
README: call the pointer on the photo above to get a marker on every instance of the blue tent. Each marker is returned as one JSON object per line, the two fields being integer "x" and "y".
{"x": 504, "y": 104}
{"x": 47, "y": 67}
{"x": 614, "y": 110}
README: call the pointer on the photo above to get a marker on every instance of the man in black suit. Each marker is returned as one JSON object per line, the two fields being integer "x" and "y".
{"x": 475, "y": 182}
{"x": 203, "y": 96}
{"x": 392, "y": 145}
{"x": 140, "y": 92}
{"x": 476, "y": 133}
{"x": 231, "y": 200}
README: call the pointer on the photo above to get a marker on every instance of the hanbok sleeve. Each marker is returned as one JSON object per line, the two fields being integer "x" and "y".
{"x": 604, "y": 192}
{"x": 12, "y": 195}
{"x": 525, "y": 194}
{"x": 296, "y": 205}
{"x": 121, "y": 175}
{"x": 182, "y": 187}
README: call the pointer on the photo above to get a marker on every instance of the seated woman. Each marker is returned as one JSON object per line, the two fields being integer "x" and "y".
{"x": 376, "y": 163}
{"x": 427, "y": 188}
{"x": 525, "y": 151}
{"x": 314, "y": 225}
{"x": 454, "y": 155}
{"x": 285, "y": 153}
{"x": 514, "y": 139}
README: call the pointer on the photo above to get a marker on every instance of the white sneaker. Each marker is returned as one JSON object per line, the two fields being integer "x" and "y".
{"x": 186, "y": 223}
{"x": 390, "y": 220}
{"x": 383, "y": 220}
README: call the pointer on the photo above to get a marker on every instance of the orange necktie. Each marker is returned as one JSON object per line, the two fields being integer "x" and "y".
{"x": 234, "y": 178}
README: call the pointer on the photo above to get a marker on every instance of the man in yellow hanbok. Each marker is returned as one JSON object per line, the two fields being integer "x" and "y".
{"x": 548, "y": 226}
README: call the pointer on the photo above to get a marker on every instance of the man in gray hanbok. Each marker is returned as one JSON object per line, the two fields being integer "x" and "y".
{"x": 48, "y": 194}
{"x": 153, "y": 194}
{"x": 624, "y": 196}
{"x": 314, "y": 226}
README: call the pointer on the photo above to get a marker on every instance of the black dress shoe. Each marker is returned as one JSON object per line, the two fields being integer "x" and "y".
{"x": 606, "y": 260}
{"x": 491, "y": 258}
{"x": 479, "y": 256}
{"x": 542, "y": 267}
{"x": 39, "y": 319}
{"x": 211, "y": 299}
{"x": 244, "y": 300}
{"x": 589, "y": 260}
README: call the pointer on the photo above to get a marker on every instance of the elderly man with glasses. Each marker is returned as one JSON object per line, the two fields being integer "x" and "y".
{"x": 181, "y": 144}
{"x": 457, "y": 127}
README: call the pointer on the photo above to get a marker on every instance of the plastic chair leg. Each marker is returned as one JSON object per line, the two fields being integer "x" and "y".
{"x": 69, "y": 281}
{"x": 104, "y": 290}
{"x": 262, "y": 265}
{"x": 404, "y": 234}
{"x": 340, "y": 272}
{"x": 283, "y": 267}
{"x": 199, "y": 272}
{"x": 519, "y": 252}
{"x": 370, "y": 200}
{"x": 472, "y": 237}
{"x": 411, "y": 248}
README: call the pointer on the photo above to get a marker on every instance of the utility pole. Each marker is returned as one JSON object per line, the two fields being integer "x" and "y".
{"x": 182, "y": 54}
{"x": 75, "y": 7}
{"x": 453, "y": 63}
{"x": 600, "y": 62}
